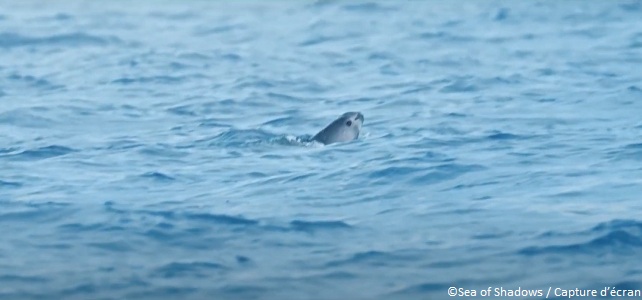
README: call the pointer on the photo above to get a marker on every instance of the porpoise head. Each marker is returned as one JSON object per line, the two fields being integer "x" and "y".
{"x": 345, "y": 128}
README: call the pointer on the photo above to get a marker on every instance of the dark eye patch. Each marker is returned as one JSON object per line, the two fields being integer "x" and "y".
{"x": 349, "y": 123}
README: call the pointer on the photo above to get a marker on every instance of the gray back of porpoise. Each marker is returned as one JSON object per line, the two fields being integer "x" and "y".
{"x": 345, "y": 128}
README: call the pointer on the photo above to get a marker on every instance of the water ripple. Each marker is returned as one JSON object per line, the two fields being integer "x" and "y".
{"x": 192, "y": 269}
{"x": 10, "y": 184}
{"x": 312, "y": 226}
{"x": 42, "y": 153}
{"x": 615, "y": 237}
{"x": 22, "y": 118}
{"x": 157, "y": 176}
{"x": 12, "y": 40}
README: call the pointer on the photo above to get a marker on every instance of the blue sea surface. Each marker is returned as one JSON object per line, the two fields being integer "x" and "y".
{"x": 157, "y": 149}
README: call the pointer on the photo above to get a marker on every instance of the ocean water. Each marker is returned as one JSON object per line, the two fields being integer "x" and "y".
{"x": 156, "y": 149}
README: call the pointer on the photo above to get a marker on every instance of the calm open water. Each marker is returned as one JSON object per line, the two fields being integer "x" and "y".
{"x": 153, "y": 149}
